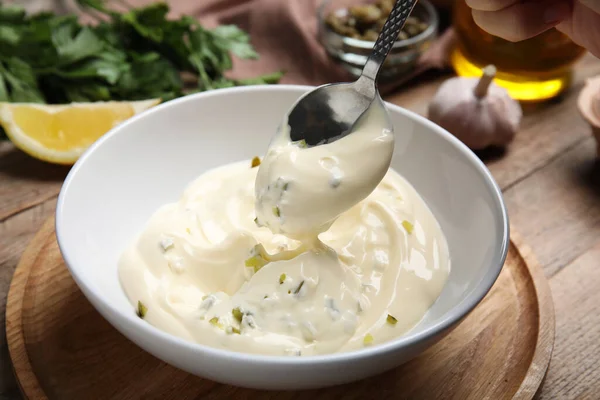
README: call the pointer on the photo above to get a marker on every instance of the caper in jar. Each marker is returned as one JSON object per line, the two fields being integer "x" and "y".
{"x": 365, "y": 21}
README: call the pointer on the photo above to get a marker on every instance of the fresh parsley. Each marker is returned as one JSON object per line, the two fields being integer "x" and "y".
{"x": 132, "y": 55}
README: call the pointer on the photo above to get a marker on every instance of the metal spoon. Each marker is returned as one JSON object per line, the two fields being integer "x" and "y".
{"x": 329, "y": 112}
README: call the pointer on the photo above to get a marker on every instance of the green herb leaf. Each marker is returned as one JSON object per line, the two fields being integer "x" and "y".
{"x": 232, "y": 38}
{"x": 71, "y": 48}
{"x": 9, "y": 35}
{"x": 267, "y": 79}
{"x": 136, "y": 54}
{"x": 94, "y": 4}
{"x": 11, "y": 14}
{"x": 148, "y": 21}
{"x": 3, "y": 88}
{"x": 21, "y": 81}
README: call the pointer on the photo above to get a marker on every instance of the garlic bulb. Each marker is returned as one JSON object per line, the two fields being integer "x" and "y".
{"x": 589, "y": 106}
{"x": 476, "y": 111}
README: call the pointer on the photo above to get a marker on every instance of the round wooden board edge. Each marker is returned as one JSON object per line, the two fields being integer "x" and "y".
{"x": 25, "y": 377}
{"x": 546, "y": 320}
{"x": 31, "y": 389}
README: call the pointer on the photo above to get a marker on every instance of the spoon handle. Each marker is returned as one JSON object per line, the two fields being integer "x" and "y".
{"x": 387, "y": 37}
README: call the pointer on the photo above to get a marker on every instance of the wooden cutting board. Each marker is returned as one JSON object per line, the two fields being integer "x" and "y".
{"x": 62, "y": 348}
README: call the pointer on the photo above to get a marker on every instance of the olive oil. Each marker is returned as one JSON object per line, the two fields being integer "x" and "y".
{"x": 536, "y": 69}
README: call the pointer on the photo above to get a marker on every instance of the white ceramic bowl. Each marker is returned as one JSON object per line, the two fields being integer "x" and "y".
{"x": 147, "y": 161}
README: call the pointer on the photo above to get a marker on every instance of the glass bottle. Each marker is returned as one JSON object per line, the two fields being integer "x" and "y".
{"x": 536, "y": 69}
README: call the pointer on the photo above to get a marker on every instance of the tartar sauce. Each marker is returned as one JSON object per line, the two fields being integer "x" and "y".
{"x": 318, "y": 250}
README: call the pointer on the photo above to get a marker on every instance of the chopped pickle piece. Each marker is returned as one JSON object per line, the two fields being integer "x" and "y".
{"x": 391, "y": 320}
{"x": 368, "y": 339}
{"x": 141, "y": 309}
{"x": 282, "y": 279}
{"x": 235, "y": 330}
{"x": 276, "y": 211}
{"x": 256, "y": 262}
{"x": 237, "y": 314}
{"x": 188, "y": 230}
{"x": 285, "y": 186}
{"x": 259, "y": 256}
{"x": 408, "y": 226}
{"x": 255, "y": 162}
{"x": 214, "y": 321}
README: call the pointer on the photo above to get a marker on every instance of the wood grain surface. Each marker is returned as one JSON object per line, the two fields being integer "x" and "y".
{"x": 63, "y": 349}
{"x": 551, "y": 182}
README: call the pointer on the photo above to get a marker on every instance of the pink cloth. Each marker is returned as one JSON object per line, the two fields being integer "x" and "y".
{"x": 284, "y": 32}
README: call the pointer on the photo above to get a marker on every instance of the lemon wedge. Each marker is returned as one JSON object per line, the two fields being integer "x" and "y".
{"x": 60, "y": 133}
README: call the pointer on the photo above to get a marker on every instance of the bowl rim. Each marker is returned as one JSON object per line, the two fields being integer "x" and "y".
{"x": 460, "y": 311}
{"x": 428, "y": 33}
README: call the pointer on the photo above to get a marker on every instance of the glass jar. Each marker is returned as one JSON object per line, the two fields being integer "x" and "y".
{"x": 536, "y": 69}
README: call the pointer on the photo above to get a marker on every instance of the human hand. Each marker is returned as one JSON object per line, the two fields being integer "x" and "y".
{"x": 516, "y": 20}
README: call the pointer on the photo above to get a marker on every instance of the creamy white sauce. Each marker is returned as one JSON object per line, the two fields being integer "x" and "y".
{"x": 300, "y": 191}
{"x": 319, "y": 250}
{"x": 188, "y": 268}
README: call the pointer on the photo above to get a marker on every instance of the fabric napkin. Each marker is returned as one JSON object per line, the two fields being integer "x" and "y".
{"x": 284, "y": 32}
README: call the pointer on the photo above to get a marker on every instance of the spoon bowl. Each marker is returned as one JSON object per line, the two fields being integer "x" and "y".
{"x": 330, "y": 112}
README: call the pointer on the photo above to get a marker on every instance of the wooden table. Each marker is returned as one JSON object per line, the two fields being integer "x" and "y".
{"x": 551, "y": 182}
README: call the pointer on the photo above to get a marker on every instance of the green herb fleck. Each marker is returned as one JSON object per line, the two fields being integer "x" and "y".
{"x": 282, "y": 279}
{"x": 408, "y": 226}
{"x": 391, "y": 320}
{"x": 255, "y": 162}
{"x": 237, "y": 314}
{"x": 368, "y": 339}
{"x": 285, "y": 186}
{"x": 276, "y": 211}
{"x": 266, "y": 297}
{"x": 141, "y": 309}
{"x": 299, "y": 287}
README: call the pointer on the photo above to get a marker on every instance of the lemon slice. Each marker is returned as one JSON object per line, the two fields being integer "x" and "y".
{"x": 61, "y": 133}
